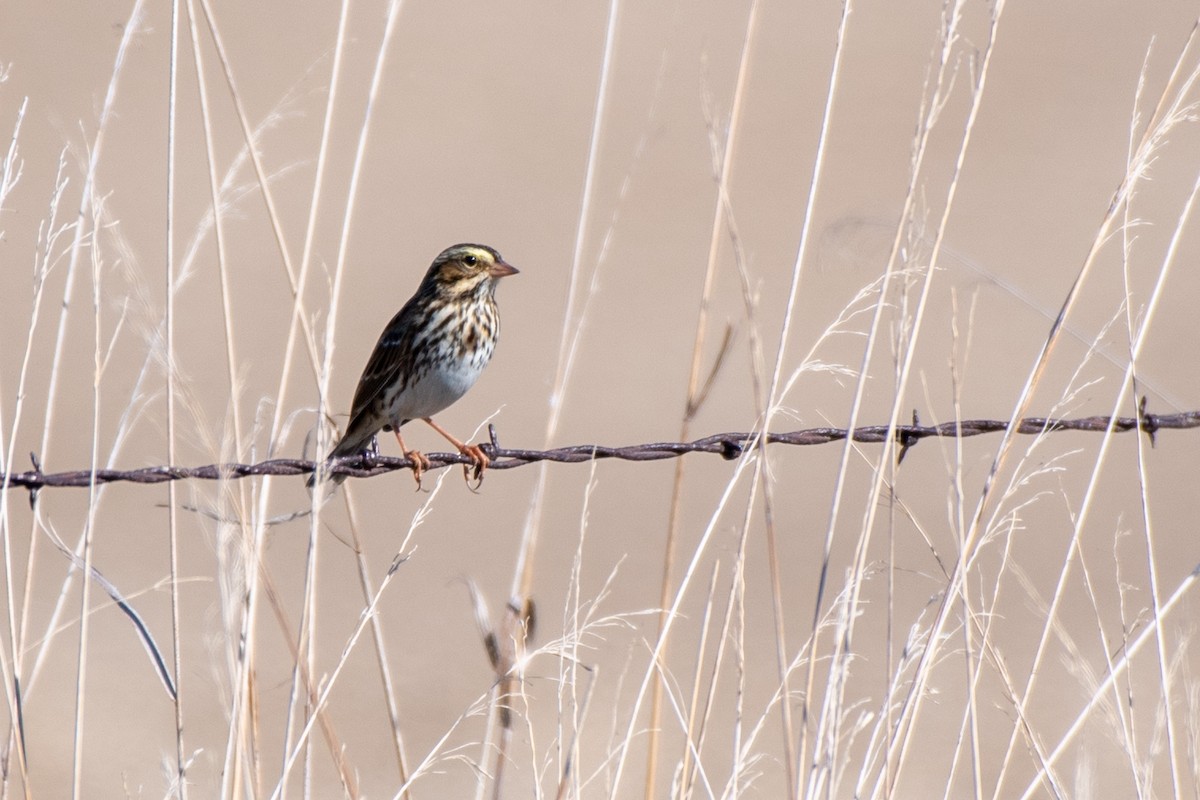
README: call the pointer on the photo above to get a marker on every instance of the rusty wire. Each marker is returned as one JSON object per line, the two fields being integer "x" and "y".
{"x": 726, "y": 445}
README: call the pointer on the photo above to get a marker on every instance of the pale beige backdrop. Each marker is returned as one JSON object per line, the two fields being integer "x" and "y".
{"x": 481, "y": 132}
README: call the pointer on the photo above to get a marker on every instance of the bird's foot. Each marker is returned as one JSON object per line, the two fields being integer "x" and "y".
{"x": 474, "y": 470}
{"x": 419, "y": 464}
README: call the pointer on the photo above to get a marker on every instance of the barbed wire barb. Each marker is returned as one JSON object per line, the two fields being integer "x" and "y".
{"x": 726, "y": 445}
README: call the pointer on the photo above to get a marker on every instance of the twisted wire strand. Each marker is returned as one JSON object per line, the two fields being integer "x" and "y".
{"x": 726, "y": 445}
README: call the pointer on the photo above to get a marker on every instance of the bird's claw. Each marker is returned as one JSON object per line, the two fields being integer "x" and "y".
{"x": 474, "y": 470}
{"x": 420, "y": 463}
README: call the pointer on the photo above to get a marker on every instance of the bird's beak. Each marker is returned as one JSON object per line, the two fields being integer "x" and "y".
{"x": 502, "y": 269}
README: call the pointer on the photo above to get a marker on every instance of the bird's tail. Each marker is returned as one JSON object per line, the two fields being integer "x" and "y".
{"x": 352, "y": 443}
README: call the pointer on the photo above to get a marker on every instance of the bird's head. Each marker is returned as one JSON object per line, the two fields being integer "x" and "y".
{"x": 466, "y": 269}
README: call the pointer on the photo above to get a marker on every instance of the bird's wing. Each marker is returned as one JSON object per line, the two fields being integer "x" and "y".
{"x": 388, "y": 361}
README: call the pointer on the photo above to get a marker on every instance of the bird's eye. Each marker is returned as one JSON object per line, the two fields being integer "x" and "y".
{"x": 470, "y": 261}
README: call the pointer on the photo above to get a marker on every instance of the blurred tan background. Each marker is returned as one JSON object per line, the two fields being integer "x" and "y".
{"x": 481, "y": 133}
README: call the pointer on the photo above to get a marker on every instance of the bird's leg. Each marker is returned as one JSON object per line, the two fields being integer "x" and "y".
{"x": 471, "y": 451}
{"x": 419, "y": 462}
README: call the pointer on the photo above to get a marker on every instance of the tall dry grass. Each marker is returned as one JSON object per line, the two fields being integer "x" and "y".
{"x": 209, "y": 257}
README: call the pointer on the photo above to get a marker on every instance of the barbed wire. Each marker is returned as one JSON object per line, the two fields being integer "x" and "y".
{"x": 727, "y": 445}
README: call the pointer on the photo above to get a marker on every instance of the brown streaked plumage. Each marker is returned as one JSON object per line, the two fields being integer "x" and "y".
{"x": 430, "y": 354}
